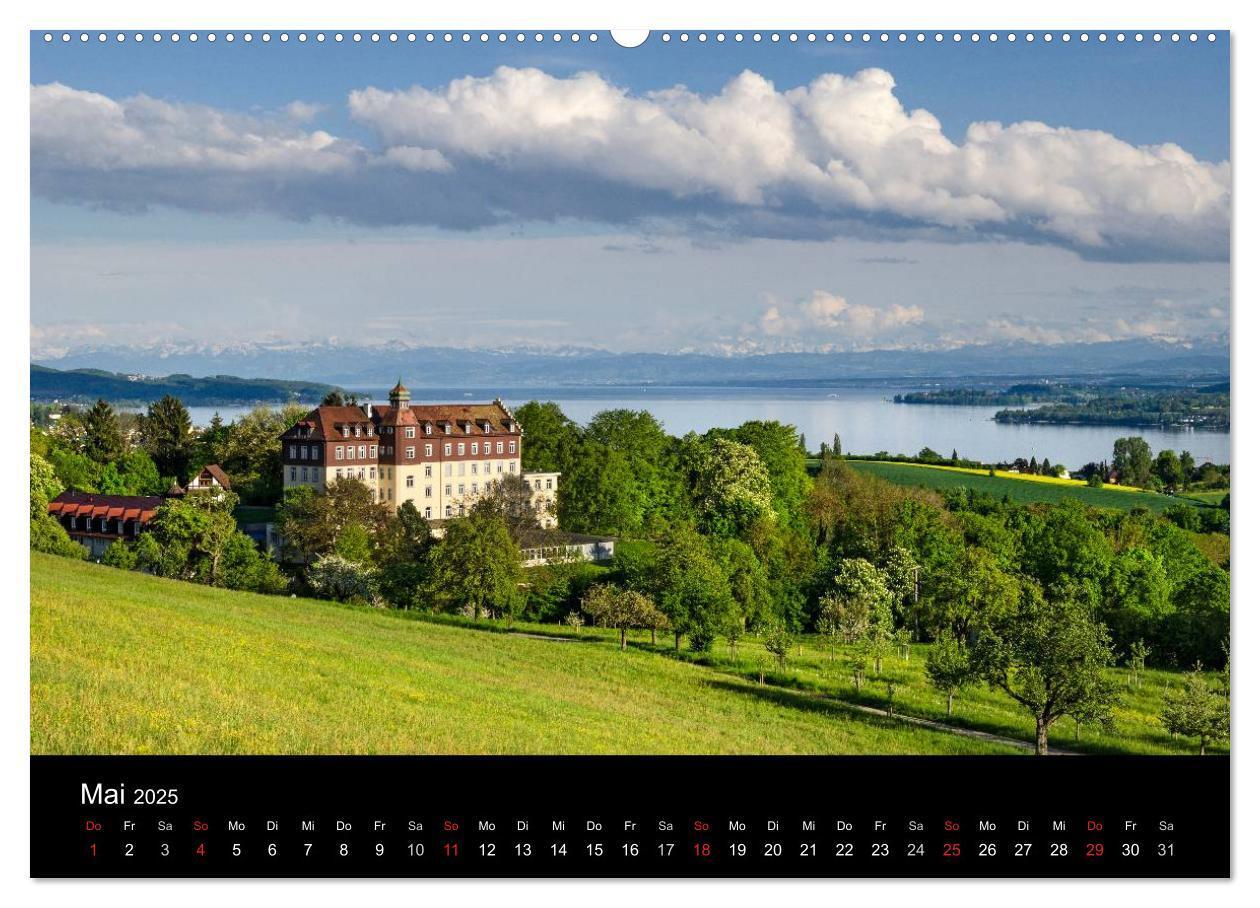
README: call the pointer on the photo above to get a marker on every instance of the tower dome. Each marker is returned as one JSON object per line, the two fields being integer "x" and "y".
{"x": 399, "y": 396}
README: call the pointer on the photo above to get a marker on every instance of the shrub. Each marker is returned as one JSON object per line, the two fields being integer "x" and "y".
{"x": 333, "y": 577}
{"x": 47, "y": 535}
{"x": 121, "y": 555}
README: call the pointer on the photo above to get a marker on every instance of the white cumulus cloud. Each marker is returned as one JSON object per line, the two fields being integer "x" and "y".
{"x": 825, "y": 318}
{"x": 80, "y": 131}
{"x": 838, "y": 155}
{"x": 841, "y": 144}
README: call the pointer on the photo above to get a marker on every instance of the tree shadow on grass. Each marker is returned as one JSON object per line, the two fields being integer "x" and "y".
{"x": 806, "y": 703}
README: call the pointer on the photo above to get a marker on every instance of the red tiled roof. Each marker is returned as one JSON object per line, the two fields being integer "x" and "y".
{"x": 73, "y": 503}
{"x": 455, "y": 414}
{"x": 325, "y": 420}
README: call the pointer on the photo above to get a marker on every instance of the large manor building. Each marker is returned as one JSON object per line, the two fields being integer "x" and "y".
{"x": 440, "y": 457}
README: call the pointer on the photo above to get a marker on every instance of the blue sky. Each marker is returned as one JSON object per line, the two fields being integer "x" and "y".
{"x": 249, "y": 180}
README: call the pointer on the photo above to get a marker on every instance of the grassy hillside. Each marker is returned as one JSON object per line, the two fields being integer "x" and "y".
{"x": 125, "y": 663}
{"x": 1023, "y": 489}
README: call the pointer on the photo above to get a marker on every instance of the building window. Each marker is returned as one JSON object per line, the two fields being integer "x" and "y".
{"x": 462, "y": 468}
{"x": 498, "y": 447}
{"x": 371, "y": 472}
{"x": 511, "y": 466}
{"x": 549, "y": 483}
{"x": 460, "y": 449}
{"x": 461, "y": 489}
{"x": 338, "y": 472}
{"x": 339, "y": 452}
{"x": 474, "y": 469}
{"x": 361, "y": 476}
{"x": 292, "y": 452}
{"x": 372, "y": 451}
{"x": 428, "y": 429}
{"x": 411, "y": 481}
{"x": 448, "y": 490}
{"x": 511, "y": 447}
{"x": 409, "y": 432}
{"x": 314, "y": 452}
{"x": 474, "y": 450}
{"x": 428, "y": 513}
{"x": 292, "y": 474}
{"x": 448, "y": 510}
{"x": 446, "y": 449}
{"x": 428, "y": 450}
{"x": 314, "y": 474}
{"x": 428, "y": 491}
{"x": 428, "y": 471}
{"x": 446, "y": 469}
{"x": 474, "y": 488}
{"x": 537, "y": 483}
{"x": 500, "y": 466}
{"x": 362, "y": 452}
{"x": 304, "y": 474}
{"x": 411, "y": 452}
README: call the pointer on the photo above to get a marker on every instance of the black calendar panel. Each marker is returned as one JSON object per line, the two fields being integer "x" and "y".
{"x": 630, "y": 817}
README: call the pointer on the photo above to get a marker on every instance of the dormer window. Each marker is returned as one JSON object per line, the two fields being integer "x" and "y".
{"x": 428, "y": 428}
{"x": 358, "y": 430}
{"x": 345, "y": 431}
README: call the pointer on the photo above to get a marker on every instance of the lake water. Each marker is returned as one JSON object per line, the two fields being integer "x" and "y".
{"x": 867, "y": 420}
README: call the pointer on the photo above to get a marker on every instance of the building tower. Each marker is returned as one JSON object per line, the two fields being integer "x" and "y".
{"x": 399, "y": 396}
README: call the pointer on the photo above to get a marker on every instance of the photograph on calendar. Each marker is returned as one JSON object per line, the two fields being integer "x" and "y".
{"x": 741, "y": 393}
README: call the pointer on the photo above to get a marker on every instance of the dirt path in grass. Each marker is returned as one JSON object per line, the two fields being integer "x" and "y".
{"x": 939, "y": 726}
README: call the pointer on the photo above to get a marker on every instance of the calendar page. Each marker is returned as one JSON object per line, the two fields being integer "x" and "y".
{"x": 706, "y": 453}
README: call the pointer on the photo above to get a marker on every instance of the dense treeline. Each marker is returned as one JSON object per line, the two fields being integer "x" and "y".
{"x": 1014, "y": 396}
{"x": 86, "y": 385}
{"x": 1199, "y": 409}
{"x": 99, "y": 449}
{"x": 1204, "y": 408}
{"x": 725, "y": 533}
{"x": 719, "y": 535}
{"x": 783, "y": 541}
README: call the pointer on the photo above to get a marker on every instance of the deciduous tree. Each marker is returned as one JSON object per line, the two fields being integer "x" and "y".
{"x": 609, "y": 606}
{"x": 950, "y": 669}
{"x": 477, "y": 565}
{"x": 1050, "y": 656}
{"x": 1197, "y": 711}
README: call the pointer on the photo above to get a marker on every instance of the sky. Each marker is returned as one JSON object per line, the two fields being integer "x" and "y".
{"x": 718, "y": 197}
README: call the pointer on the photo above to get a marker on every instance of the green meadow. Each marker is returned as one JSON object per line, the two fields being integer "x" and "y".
{"x": 127, "y": 663}
{"x": 1022, "y": 490}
